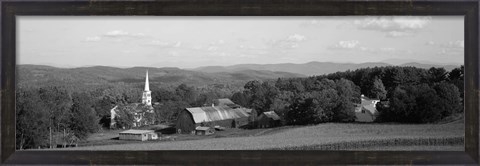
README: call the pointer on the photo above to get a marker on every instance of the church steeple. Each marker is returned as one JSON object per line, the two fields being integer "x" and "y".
{"x": 146, "y": 97}
{"x": 147, "y": 87}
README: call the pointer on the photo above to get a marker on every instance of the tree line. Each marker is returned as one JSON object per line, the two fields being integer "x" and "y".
{"x": 43, "y": 111}
{"x": 301, "y": 101}
{"x": 408, "y": 94}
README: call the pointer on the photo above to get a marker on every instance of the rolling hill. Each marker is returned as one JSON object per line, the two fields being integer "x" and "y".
{"x": 97, "y": 75}
{"x": 241, "y": 73}
{"x": 310, "y": 68}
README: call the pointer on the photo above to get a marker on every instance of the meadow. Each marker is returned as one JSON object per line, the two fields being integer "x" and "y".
{"x": 327, "y": 136}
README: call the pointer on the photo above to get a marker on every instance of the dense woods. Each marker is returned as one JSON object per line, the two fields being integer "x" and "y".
{"x": 413, "y": 95}
{"x": 77, "y": 109}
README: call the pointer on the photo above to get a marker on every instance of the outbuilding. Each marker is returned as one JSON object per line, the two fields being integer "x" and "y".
{"x": 138, "y": 135}
{"x": 268, "y": 119}
{"x": 204, "y": 131}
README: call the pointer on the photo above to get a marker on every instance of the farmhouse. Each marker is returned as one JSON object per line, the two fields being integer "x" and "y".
{"x": 138, "y": 135}
{"x": 366, "y": 111}
{"x": 268, "y": 119}
{"x": 142, "y": 112}
{"x": 190, "y": 118}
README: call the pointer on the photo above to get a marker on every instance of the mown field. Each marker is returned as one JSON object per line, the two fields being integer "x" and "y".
{"x": 329, "y": 136}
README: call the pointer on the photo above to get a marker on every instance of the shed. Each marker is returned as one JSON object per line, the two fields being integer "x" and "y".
{"x": 138, "y": 135}
{"x": 204, "y": 131}
{"x": 190, "y": 118}
{"x": 268, "y": 119}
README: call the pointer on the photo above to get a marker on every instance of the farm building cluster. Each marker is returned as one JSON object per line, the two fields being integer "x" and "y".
{"x": 222, "y": 114}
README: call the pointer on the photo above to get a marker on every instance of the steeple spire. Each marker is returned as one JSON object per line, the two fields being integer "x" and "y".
{"x": 146, "y": 97}
{"x": 147, "y": 87}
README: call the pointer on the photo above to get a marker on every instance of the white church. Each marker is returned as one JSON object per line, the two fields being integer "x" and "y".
{"x": 142, "y": 113}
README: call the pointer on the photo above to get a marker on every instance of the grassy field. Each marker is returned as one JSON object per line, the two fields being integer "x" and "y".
{"x": 329, "y": 136}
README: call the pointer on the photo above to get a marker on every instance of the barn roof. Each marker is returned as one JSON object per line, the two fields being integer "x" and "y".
{"x": 217, "y": 113}
{"x": 131, "y": 131}
{"x": 272, "y": 114}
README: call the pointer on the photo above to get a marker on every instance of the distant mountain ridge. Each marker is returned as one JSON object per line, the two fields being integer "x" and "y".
{"x": 236, "y": 74}
{"x": 311, "y": 68}
{"x": 42, "y": 74}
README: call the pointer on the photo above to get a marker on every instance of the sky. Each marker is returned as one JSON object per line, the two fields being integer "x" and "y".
{"x": 194, "y": 41}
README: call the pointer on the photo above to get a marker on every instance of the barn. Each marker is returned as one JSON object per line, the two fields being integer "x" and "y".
{"x": 268, "y": 119}
{"x": 138, "y": 135}
{"x": 225, "y": 116}
{"x": 366, "y": 111}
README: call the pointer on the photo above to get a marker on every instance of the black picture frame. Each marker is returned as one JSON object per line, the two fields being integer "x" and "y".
{"x": 467, "y": 8}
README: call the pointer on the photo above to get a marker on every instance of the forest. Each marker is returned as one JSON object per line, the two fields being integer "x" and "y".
{"x": 77, "y": 109}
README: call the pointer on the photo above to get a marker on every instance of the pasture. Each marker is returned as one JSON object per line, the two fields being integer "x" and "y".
{"x": 328, "y": 136}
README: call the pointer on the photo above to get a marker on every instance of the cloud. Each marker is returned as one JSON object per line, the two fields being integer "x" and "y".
{"x": 121, "y": 33}
{"x": 452, "y": 47}
{"x": 456, "y": 44}
{"x": 116, "y": 33}
{"x": 165, "y": 44}
{"x": 347, "y": 44}
{"x": 289, "y": 42}
{"x": 92, "y": 39}
{"x": 430, "y": 43}
{"x": 398, "y": 34}
{"x": 394, "y": 26}
{"x": 177, "y": 44}
{"x": 212, "y": 48}
{"x": 311, "y": 23}
{"x": 393, "y": 23}
{"x": 296, "y": 38}
{"x": 354, "y": 45}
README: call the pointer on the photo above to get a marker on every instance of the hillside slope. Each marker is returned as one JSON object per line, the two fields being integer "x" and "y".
{"x": 38, "y": 74}
{"x": 310, "y": 68}
{"x": 323, "y": 136}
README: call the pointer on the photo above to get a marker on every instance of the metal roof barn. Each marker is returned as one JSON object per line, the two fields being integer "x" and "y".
{"x": 209, "y": 114}
{"x": 224, "y": 116}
